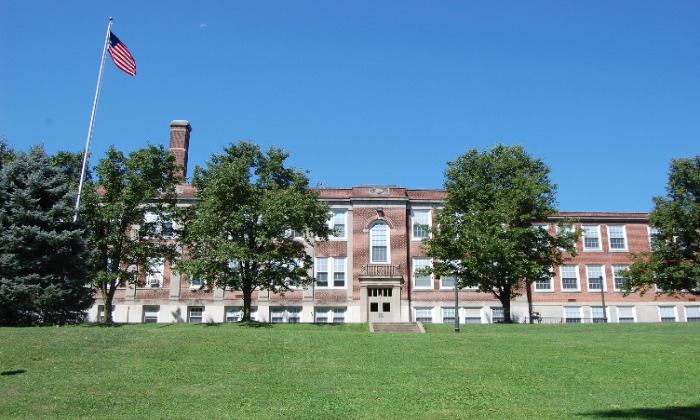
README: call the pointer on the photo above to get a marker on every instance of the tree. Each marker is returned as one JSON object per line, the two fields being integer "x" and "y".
{"x": 239, "y": 235}
{"x": 674, "y": 261}
{"x": 42, "y": 251}
{"x": 6, "y": 152}
{"x": 485, "y": 234}
{"x": 127, "y": 191}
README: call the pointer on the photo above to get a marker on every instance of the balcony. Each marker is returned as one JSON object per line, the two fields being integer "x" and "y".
{"x": 381, "y": 270}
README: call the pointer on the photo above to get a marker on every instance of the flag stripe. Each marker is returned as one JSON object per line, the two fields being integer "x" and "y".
{"x": 120, "y": 55}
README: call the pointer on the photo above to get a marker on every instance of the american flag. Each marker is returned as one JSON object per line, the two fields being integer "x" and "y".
{"x": 120, "y": 55}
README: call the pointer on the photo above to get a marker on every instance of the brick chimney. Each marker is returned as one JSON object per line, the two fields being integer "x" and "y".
{"x": 180, "y": 144}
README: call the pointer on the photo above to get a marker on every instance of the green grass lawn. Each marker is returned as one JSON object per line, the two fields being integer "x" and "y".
{"x": 343, "y": 371}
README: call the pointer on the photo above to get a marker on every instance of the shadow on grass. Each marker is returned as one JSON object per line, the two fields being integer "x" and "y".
{"x": 664, "y": 413}
{"x": 12, "y": 372}
{"x": 254, "y": 324}
{"x": 101, "y": 325}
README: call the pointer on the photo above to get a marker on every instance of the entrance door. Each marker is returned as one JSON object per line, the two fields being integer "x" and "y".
{"x": 379, "y": 301}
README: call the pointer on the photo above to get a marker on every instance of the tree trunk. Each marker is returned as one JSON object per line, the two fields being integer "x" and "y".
{"x": 108, "y": 298}
{"x": 504, "y": 297}
{"x": 528, "y": 288}
{"x": 247, "y": 298}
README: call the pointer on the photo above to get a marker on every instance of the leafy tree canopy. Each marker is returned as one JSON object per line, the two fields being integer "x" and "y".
{"x": 42, "y": 252}
{"x": 115, "y": 206}
{"x": 673, "y": 263}
{"x": 238, "y": 235}
{"x": 485, "y": 231}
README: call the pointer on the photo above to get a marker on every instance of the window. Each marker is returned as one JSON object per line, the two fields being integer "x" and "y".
{"x": 568, "y": 229}
{"x": 329, "y": 315}
{"x": 424, "y": 281}
{"x": 195, "y": 314}
{"x": 448, "y": 315}
{"x": 296, "y": 281}
{"x": 692, "y": 313}
{"x": 235, "y": 313}
{"x": 294, "y": 234}
{"x": 285, "y": 315}
{"x": 447, "y": 282}
{"x": 653, "y": 234}
{"x": 158, "y": 225}
{"x": 100, "y": 313}
{"x": 544, "y": 284}
{"x": 667, "y": 313}
{"x": 572, "y": 315}
{"x": 591, "y": 237}
{"x": 617, "y": 237}
{"x": 596, "y": 279}
{"x": 154, "y": 277}
{"x": 150, "y": 314}
{"x": 379, "y": 242}
{"x": 497, "y": 315}
{"x": 197, "y": 282}
{"x": 424, "y": 314}
{"x": 597, "y": 314}
{"x": 472, "y": 315}
{"x": 337, "y": 222}
{"x": 617, "y": 278}
{"x": 323, "y": 273}
{"x": 625, "y": 314}
{"x": 421, "y": 224}
{"x": 569, "y": 278}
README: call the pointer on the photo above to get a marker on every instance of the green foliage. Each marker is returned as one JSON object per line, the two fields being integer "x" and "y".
{"x": 674, "y": 261}
{"x": 6, "y": 152}
{"x": 126, "y": 188}
{"x": 42, "y": 251}
{"x": 310, "y": 371}
{"x": 485, "y": 231}
{"x": 71, "y": 163}
{"x": 237, "y": 235}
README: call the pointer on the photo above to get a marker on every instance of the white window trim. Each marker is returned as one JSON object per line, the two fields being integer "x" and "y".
{"x": 443, "y": 287}
{"x": 145, "y": 309}
{"x": 624, "y": 237}
{"x": 239, "y": 309}
{"x": 600, "y": 241}
{"x": 331, "y": 224}
{"x": 448, "y": 308}
{"x": 604, "y": 281}
{"x": 330, "y": 314}
{"x": 189, "y": 313}
{"x": 580, "y": 317}
{"x": 675, "y": 312}
{"x": 561, "y": 279}
{"x": 694, "y": 308}
{"x": 286, "y": 312}
{"x": 432, "y": 277}
{"x": 549, "y": 290}
{"x": 622, "y": 267}
{"x": 424, "y": 308}
{"x": 331, "y": 273}
{"x": 631, "y": 309}
{"x": 154, "y": 277}
{"x": 413, "y": 224}
{"x": 388, "y": 243}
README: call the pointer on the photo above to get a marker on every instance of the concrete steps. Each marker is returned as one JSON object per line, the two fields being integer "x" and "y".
{"x": 404, "y": 327}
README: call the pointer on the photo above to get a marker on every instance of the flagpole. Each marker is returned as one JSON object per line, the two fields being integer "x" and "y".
{"x": 92, "y": 121}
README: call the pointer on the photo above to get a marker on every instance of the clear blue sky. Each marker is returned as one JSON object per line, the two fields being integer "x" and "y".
{"x": 372, "y": 92}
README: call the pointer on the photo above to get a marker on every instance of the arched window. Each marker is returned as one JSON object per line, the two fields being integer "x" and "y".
{"x": 379, "y": 242}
